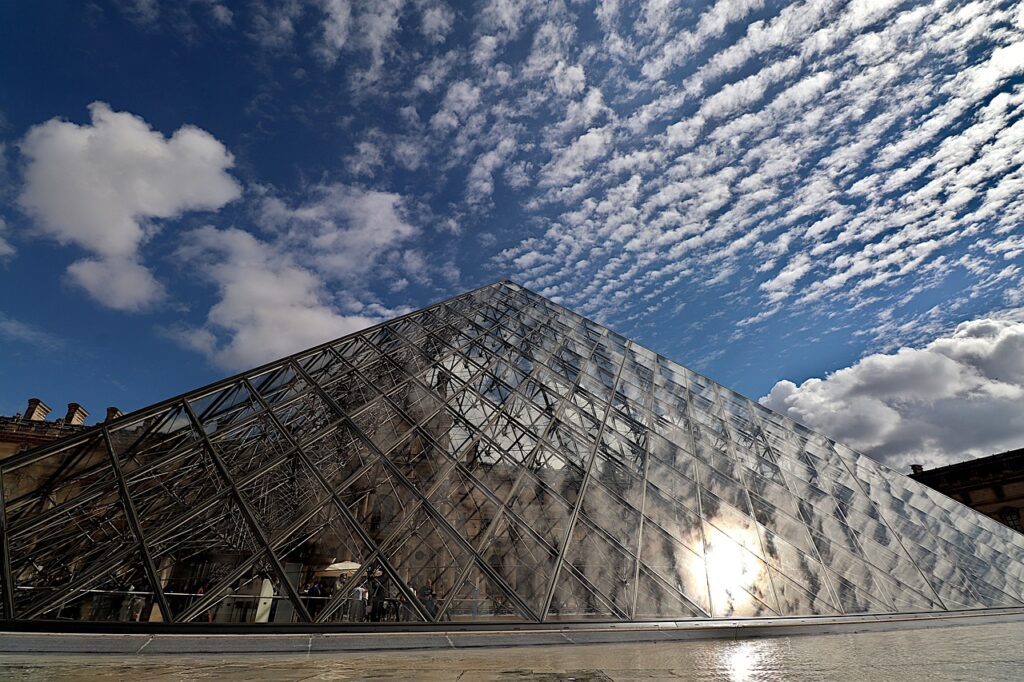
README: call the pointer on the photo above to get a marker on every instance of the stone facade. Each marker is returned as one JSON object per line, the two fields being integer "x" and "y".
{"x": 992, "y": 485}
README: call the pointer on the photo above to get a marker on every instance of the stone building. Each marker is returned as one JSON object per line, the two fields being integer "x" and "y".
{"x": 993, "y": 485}
{"x": 32, "y": 429}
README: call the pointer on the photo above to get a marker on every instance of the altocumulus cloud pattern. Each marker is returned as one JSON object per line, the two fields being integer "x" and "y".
{"x": 494, "y": 457}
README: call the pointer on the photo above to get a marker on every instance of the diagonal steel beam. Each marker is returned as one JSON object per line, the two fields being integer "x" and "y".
{"x": 133, "y": 522}
{"x": 249, "y": 516}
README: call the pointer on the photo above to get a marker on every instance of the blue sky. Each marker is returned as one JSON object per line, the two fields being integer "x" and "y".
{"x": 801, "y": 200}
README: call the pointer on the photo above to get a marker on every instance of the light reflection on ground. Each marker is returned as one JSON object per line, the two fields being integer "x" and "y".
{"x": 977, "y": 653}
{"x": 742, "y": 661}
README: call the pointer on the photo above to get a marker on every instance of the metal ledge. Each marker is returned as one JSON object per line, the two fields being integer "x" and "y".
{"x": 39, "y": 637}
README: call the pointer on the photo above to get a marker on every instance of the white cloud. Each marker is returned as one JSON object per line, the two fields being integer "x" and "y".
{"x": 480, "y": 182}
{"x": 568, "y": 80}
{"x": 6, "y": 249}
{"x": 568, "y": 164}
{"x": 222, "y": 14}
{"x": 307, "y": 278}
{"x": 711, "y": 24}
{"x": 345, "y": 231}
{"x": 119, "y": 283}
{"x": 142, "y": 11}
{"x": 826, "y": 121}
{"x": 274, "y": 24}
{"x": 958, "y": 397}
{"x": 437, "y": 22}
{"x": 460, "y": 100}
{"x": 336, "y": 25}
{"x": 375, "y": 29}
{"x": 16, "y": 331}
{"x": 780, "y": 286}
{"x": 100, "y": 186}
{"x": 269, "y": 305}
{"x": 366, "y": 159}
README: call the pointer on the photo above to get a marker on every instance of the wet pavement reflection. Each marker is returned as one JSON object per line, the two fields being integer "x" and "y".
{"x": 976, "y": 653}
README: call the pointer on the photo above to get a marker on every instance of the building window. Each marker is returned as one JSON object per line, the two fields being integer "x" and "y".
{"x": 1011, "y": 517}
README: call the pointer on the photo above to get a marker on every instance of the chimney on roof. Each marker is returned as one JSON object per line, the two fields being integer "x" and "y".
{"x": 76, "y": 414}
{"x": 112, "y": 414}
{"x": 37, "y": 410}
{"x": 916, "y": 468}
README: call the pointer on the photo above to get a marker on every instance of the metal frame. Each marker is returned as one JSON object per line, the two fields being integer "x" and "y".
{"x": 244, "y": 435}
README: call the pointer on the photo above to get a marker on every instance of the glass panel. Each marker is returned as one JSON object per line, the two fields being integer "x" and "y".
{"x": 250, "y": 447}
{"x": 415, "y": 401}
{"x": 656, "y": 602}
{"x": 624, "y": 481}
{"x": 800, "y": 568}
{"x": 338, "y": 454}
{"x": 428, "y": 559}
{"x": 379, "y": 501}
{"x": 347, "y": 389}
{"x": 145, "y": 441}
{"x": 621, "y": 522}
{"x": 373, "y": 595}
{"x": 676, "y": 565}
{"x": 279, "y": 385}
{"x": 381, "y": 373}
{"x": 853, "y": 599}
{"x": 382, "y": 424}
{"x": 320, "y": 559}
{"x": 673, "y": 484}
{"x": 739, "y": 581}
{"x": 570, "y": 446}
{"x": 852, "y": 569}
{"x": 481, "y": 599}
{"x": 305, "y": 416}
{"x": 906, "y": 599}
{"x": 55, "y": 479}
{"x": 572, "y": 600}
{"x": 674, "y": 519}
{"x": 205, "y": 548}
{"x": 282, "y": 495}
{"x": 508, "y": 436}
{"x": 451, "y": 431}
{"x": 794, "y": 600}
{"x": 542, "y": 510}
{"x": 61, "y": 554}
{"x": 322, "y": 366}
{"x": 419, "y": 460}
{"x": 466, "y": 509}
{"x": 250, "y": 595}
{"x": 560, "y": 476}
{"x": 223, "y": 408}
{"x": 524, "y": 564}
{"x": 491, "y": 466}
{"x": 173, "y": 488}
{"x": 355, "y": 350}
{"x": 729, "y": 520}
{"x": 121, "y": 594}
{"x": 472, "y": 408}
{"x": 605, "y": 566}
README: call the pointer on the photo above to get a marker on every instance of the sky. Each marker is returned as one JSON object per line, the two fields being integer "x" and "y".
{"x": 817, "y": 203}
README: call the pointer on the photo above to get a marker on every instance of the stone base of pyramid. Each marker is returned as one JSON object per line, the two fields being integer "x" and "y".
{"x": 99, "y": 638}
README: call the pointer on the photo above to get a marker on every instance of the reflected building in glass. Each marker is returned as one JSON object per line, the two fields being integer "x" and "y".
{"x": 491, "y": 458}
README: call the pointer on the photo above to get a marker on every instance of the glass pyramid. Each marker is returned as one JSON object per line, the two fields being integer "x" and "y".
{"x": 494, "y": 457}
